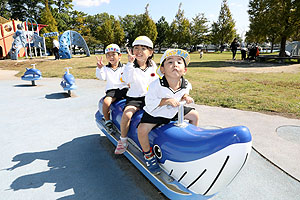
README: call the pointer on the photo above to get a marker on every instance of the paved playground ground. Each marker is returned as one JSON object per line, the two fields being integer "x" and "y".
{"x": 51, "y": 148}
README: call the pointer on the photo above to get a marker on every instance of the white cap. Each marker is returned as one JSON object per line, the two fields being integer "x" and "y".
{"x": 143, "y": 40}
{"x": 173, "y": 52}
{"x": 112, "y": 48}
{"x": 176, "y": 52}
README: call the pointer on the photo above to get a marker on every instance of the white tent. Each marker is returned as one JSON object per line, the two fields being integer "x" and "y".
{"x": 293, "y": 48}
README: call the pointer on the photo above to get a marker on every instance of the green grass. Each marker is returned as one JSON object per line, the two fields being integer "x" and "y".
{"x": 277, "y": 93}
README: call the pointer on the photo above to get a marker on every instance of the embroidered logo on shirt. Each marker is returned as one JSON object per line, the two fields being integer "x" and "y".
{"x": 152, "y": 74}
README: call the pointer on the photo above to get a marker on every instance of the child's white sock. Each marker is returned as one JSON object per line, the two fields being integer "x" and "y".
{"x": 123, "y": 139}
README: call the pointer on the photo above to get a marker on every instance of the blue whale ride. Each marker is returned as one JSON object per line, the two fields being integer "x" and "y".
{"x": 32, "y": 74}
{"x": 68, "y": 81}
{"x": 196, "y": 162}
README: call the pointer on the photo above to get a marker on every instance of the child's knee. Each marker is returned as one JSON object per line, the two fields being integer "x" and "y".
{"x": 193, "y": 115}
{"x": 143, "y": 129}
{"x": 196, "y": 114}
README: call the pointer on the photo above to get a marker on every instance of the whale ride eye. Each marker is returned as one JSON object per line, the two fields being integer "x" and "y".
{"x": 157, "y": 151}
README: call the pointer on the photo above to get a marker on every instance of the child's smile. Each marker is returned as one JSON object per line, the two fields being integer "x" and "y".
{"x": 141, "y": 52}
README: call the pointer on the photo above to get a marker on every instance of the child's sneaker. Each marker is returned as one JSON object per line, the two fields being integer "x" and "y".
{"x": 152, "y": 164}
{"x": 109, "y": 124}
{"x": 121, "y": 147}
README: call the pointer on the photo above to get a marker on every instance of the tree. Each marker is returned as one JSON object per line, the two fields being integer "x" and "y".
{"x": 48, "y": 19}
{"x": 274, "y": 21}
{"x": 262, "y": 28}
{"x": 119, "y": 34}
{"x": 146, "y": 26}
{"x": 61, "y": 11}
{"x": 162, "y": 27}
{"x": 223, "y": 31}
{"x": 4, "y": 11}
{"x": 135, "y": 25}
{"x": 78, "y": 21}
{"x": 20, "y": 9}
{"x": 105, "y": 33}
{"x": 180, "y": 29}
{"x": 284, "y": 14}
{"x": 110, "y": 31}
{"x": 128, "y": 23}
{"x": 199, "y": 30}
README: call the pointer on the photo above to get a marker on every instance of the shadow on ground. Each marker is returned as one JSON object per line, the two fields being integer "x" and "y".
{"x": 25, "y": 85}
{"x": 60, "y": 95}
{"x": 89, "y": 167}
{"x": 238, "y": 63}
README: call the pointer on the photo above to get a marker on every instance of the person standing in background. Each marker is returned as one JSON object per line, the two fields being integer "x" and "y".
{"x": 234, "y": 46}
{"x": 56, "y": 49}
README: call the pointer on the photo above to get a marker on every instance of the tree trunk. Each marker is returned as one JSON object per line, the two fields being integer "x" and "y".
{"x": 282, "y": 46}
{"x": 272, "y": 47}
{"x": 159, "y": 49}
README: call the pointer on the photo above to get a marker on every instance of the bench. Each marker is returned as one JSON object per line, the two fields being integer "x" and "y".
{"x": 265, "y": 58}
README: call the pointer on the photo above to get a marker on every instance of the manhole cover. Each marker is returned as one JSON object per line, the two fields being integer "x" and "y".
{"x": 289, "y": 132}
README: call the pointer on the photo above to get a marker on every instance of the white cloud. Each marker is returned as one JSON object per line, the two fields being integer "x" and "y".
{"x": 90, "y": 3}
{"x": 238, "y": 5}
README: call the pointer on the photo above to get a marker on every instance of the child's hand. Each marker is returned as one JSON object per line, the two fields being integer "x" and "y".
{"x": 188, "y": 99}
{"x": 131, "y": 57}
{"x": 172, "y": 102}
{"x": 99, "y": 62}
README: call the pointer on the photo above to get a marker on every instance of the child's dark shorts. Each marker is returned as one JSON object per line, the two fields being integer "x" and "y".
{"x": 138, "y": 102}
{"x": 117, "y": 93}
{"x": 162, "y": 120}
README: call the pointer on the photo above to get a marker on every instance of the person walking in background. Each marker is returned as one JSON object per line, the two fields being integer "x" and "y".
{"x": 201, "y": 53}
{"x": 56, "y": 49}
{"x": 234, "y": 46}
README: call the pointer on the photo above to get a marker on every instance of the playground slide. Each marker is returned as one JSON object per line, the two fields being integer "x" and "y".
{"x": 20, "y": 42}
{"x": 69, "y": 38}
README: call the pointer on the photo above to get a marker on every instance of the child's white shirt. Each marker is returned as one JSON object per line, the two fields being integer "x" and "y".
{"x": 112, "y": 77}
{"x": 160, "y": 89}
{"x": 139, "y": 79}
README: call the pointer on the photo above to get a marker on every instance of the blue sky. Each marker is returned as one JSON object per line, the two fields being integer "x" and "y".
{"x": 168, "y": 9}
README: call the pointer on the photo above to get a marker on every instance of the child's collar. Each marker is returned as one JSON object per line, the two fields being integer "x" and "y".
{"x": 164, "y": 83}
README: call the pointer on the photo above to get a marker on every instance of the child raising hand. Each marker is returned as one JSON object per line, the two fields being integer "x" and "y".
{"x": 116, "y": 89}
{"x": 139, "y": 72}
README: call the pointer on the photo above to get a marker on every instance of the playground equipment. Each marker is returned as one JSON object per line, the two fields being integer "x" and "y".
{"x": 196, "y": 162}
{"x": 68, "y": 82}
{"x": 32, "y": 75}
{"x": 69, "y": 38}
{"x": 7, "y": 30}
{"x": 27, "y": 39}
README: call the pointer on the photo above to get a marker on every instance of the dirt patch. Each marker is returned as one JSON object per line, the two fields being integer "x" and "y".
{"x": 8, "y": 74}
{"x": 255, "y": 67}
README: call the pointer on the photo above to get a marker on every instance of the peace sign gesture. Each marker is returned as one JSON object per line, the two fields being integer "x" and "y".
{"x": 131, "y": 57}
{"x": 99, "y": 62}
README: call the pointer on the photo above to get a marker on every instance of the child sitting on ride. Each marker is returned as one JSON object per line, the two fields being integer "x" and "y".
{"x": 162, "y": 101}
{"x": 139, "y": 72}
{"x": 116, "y": 89}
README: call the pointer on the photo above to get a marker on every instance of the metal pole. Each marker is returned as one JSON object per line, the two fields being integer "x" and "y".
{"x": 45, "y": 46}
{"x": 30, "y": 53}
{"x": 180, "y": 121}
{"x": 70, "y": 42}
{"x": 26, "y": 38}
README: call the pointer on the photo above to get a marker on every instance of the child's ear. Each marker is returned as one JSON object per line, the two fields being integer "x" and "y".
{"x": 185, "y": 70}
{"x": 162, "y": 69}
